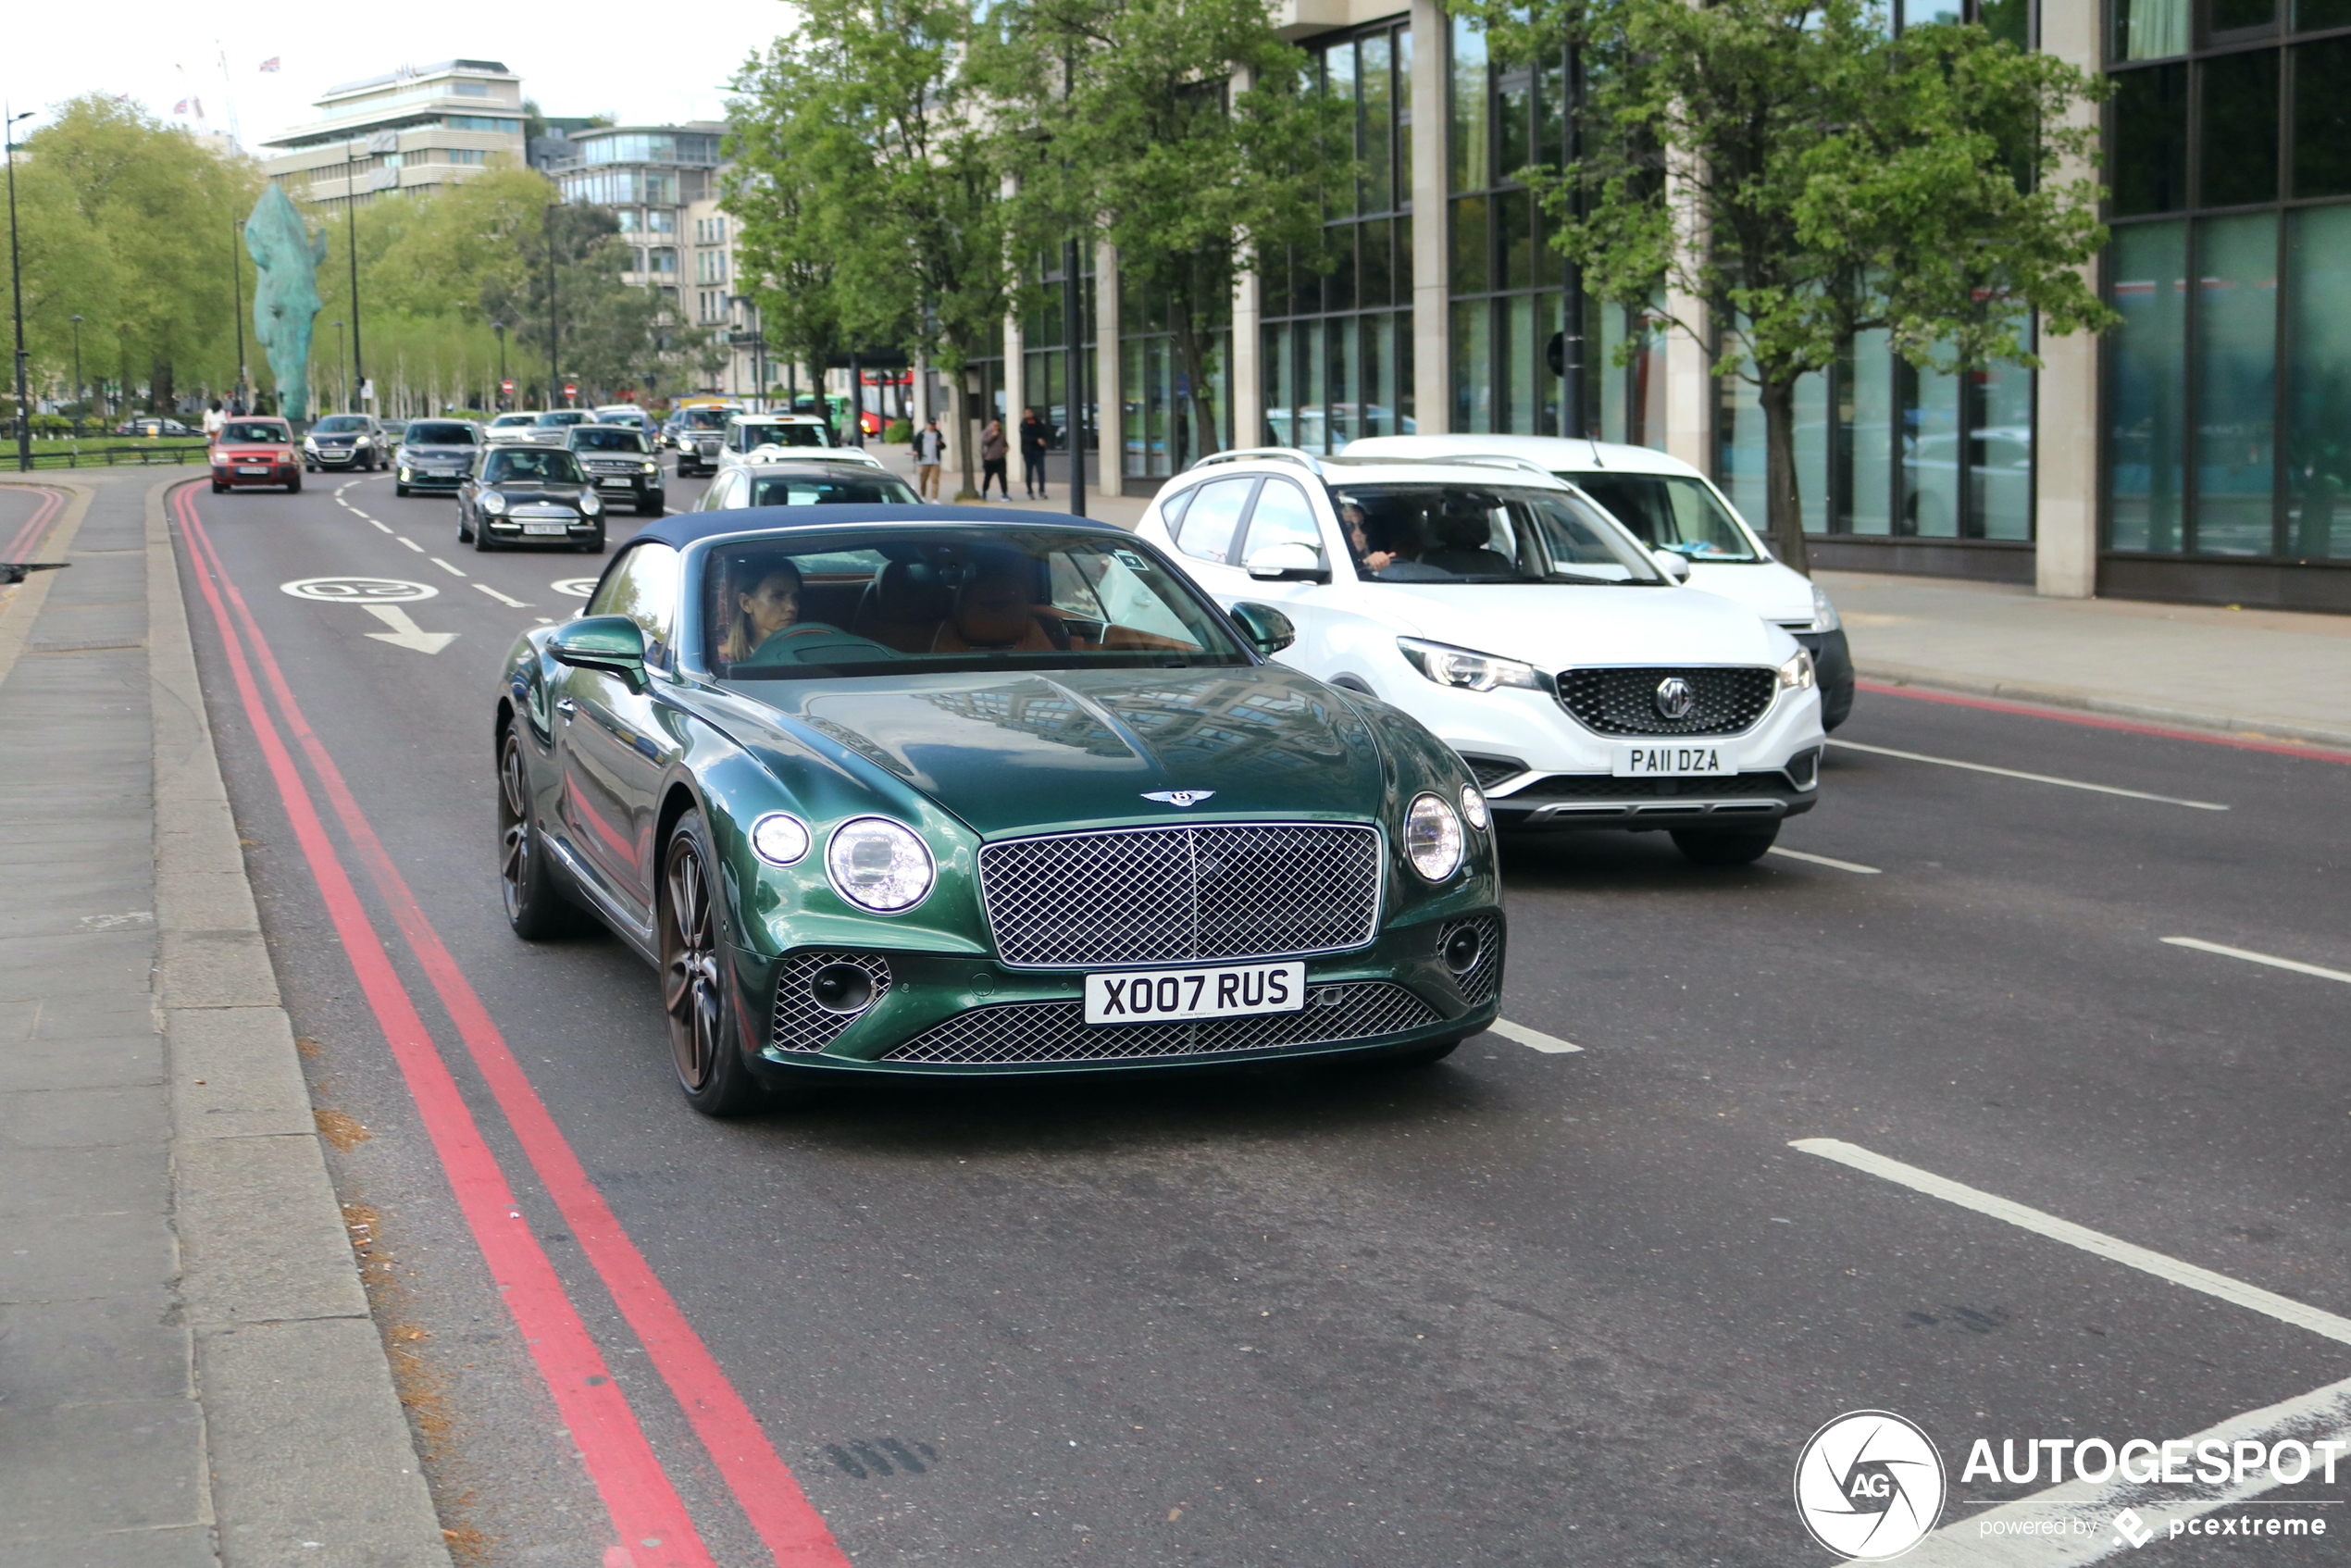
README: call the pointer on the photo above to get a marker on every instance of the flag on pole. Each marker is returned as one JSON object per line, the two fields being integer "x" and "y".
{"x": 269, "y": 64}
{"x": 180, "y": 108}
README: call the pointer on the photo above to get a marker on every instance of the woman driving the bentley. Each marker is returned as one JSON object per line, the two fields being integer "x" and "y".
{"x": 767, "y": 605}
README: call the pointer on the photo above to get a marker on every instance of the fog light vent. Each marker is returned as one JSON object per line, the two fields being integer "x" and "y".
{"x": 819, "y": 994}
{"x": 1473, "y": 953}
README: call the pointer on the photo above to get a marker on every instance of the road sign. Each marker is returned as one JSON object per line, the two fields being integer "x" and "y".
{"x": 506, "y": 386}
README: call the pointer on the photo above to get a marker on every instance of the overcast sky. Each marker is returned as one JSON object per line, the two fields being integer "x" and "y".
{"x": 646, "y": 64}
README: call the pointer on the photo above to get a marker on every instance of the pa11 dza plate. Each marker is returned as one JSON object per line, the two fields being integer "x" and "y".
{"x": 1675, "y": 762}
{"x": 1176, "y": 996}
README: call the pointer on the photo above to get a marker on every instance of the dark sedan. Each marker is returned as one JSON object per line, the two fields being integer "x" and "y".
{"x": 529, "y": 495}
{"x": 621, "y": 464}
{"x": 435, "y": 454}
{"x": 346, "y": 440}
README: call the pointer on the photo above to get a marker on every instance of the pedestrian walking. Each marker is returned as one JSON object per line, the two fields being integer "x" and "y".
{"x": 930, "y": 450}
{"x": 993, "y": 448}
{"x": 1032, "y": 456}
{"x": 213, "y": 420}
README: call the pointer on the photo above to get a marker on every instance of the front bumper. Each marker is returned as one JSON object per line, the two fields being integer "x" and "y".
{"x": 640, "y": 488}
{"x": 277, "y": 474}
{"x": 512, "y": 530}
{"x": 1597, "y": 800}
{"x": 937, "y": 1014}
{"x": 426, "y": 479}
{"x": 336, "y": 457}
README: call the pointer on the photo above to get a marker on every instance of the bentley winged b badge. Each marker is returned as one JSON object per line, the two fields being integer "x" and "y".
{"x": 1178, "y": 796}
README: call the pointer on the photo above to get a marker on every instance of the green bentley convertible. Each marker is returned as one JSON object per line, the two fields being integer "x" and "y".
{"x": 928, "y": 789}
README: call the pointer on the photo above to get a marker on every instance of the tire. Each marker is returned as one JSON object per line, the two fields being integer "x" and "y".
{"x": 596, "y": 545}
{"x": 1725, "y": 846}
{"x": 482, "y": 545}
{"x": 535, "y": 904}
{"x": 219, "y": 489}
{"x": 294, "y": 486}
{"x": 464, "y": 534}
{"x": 400, "y": 489}
{"x": 696, "y": 963}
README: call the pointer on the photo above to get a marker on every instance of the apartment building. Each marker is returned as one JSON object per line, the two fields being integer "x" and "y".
{"x": 416, "y": 129}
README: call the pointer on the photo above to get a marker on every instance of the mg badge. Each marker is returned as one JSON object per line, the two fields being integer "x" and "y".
{"x": 1675, "y": 701}
{"x": 1179, "y": 797}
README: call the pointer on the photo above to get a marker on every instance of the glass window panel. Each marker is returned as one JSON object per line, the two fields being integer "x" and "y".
{"x": 1338, "y": 286}
{"x": 2150, "y": 29}
{"x": 1473, "y": 369}
{"x": 1525, "y": 369}
{"x": 2000, "y": 454}
{"x": 2236, "y": 369}
{"x": 1378, "y": 277}
{"x": 1513, "y": 121}
{"x": 1380, "y": 418}
{"x": 1404, "y": 348}
{"x": 1339, "y": 74}
{"x": 1273, "y": 285}
{"x": 1469, "y": 139}
{"x": 1514, "y": 238}
{"x": 2317, "y": 335}
{"x": 1616, "y": 381}
{"x": 1812, "y": 451}
{"x": 2309, "y": 16}
{"x": 1346, "y": 385}
{"x": 1930, "y": 452}
{"x": 1738, "y": 460}
{"x": 1649, "y": 382}
{"x": 2234, "y": 16}
{"x": 2240, "y": 154}
{"x": 1282, "y": 516}
{"x": 1550, "y": 111}
{"x": 1132, "y": 430}
{"x": 1402, "y": 237}
{"x": 1313, "y": 426}
{"x": 2147, "y": 440}
{"x": 1214, "y": 513}
{"x": 2009, "y": 22}
{"x": 2151, "y": 140}
{"x": 1917, "y": 13}
{"x": 2323, "y": 118}
{"x": 1404, "y": 116}
{"x": 1275, "y": 372}
{"x": 1471, "y": 273}
{"x": 1379, "y": 173}
{"x": 1306, "y": 282}
{"x": 1865, "y": 435}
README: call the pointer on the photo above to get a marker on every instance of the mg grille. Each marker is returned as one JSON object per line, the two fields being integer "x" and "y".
{"x": 1174, "y": 895}
{"x": 1625, "y": 701}
{"x": 1057, "y": 1031}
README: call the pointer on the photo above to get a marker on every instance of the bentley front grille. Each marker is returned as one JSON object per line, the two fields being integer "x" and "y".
{"x": 1662, "y": 700}
{"x": 1177, "y": 895}
{"x": 1057, "y": 1031}
{"x": 819, "y": 994}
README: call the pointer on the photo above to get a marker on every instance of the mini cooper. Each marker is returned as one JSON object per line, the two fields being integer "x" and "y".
{"x": 927, "y": 791}
{"x": 529, "y": 495}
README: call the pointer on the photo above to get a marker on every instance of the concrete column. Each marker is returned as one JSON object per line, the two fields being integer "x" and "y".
{"x": 2066, "y": 412}
{"x": 1015, "y": 370}
{"x": 1249, "y": 366}
{"x": 1432, "y": 280}
{"x": 1110, "y": 405}
{"x": 1690, "y": 386}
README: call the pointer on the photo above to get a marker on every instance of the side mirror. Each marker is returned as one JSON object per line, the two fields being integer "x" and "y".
{"x": 1288, "y": 563}
{"x": 1268, "y": 630}
{"x": 1672, "y": 564}
{"x": 612, "y": 643}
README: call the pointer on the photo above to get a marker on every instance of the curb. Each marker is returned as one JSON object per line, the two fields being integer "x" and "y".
{"x": 25, "y": 600}
{"x": 308, "y": 1453}
{"x": 2243, "y": 725}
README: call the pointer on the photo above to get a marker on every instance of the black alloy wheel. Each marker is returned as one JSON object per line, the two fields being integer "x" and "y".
{"x": 536, "y": 906}
{"x": 696, "y": 959}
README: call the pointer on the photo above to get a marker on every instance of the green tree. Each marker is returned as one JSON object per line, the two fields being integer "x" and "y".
{"x": 865, "y": 189}
{"x": 1809, "y": 177}
{"x": 559, "y": 283}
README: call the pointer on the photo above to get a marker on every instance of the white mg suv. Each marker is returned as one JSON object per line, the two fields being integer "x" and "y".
{"x": 1564, "y": 660}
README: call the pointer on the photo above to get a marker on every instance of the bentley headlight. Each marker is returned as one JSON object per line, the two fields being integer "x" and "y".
{"x": 1797, "y": 674}
{"x": 492, "y": 503}
{"x": 1433, "y": 838}
{"x": 880, "y": 865}
{"x": 1824, "y": 617}
{"x": 590, "y": 505}
{"x": 779, "y": 838}
{"x": 1473, "y": 671}
{"x": 1474, "y": 806}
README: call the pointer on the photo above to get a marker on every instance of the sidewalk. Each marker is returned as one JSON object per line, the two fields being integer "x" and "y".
{"x": 188, "y": 1373}
{"x": 2272, "y": 672}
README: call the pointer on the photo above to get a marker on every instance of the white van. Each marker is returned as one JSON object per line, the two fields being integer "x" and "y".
{"x": 1671, "y": 506}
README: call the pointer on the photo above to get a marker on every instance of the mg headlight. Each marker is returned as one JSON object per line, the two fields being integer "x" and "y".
{"x": 779, "y": 839}
{"x": 1470, "y": 670}
{"x": 1824, "y": 617}
{"x": 1797, "y": 674}
{"x": 1474, "y": 806}
{"x": 1433, "y": 838}
{"x": 880, "y": 865}
{"x": 492, "y": 503}
{"x": 590, "y": 505}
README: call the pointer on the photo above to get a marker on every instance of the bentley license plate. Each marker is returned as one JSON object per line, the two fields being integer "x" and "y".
{"x": 1176, "y": 996}
{"x": 546, "y": 528}
{"x": 1675, "y": 762}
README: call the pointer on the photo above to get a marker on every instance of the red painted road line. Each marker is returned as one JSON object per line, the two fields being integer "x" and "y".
{"x": 2096, "y": 721}
{"x": 28, "y": 536}
{"x": 653, "y": 1525}
{"x": 772, "y": 1500}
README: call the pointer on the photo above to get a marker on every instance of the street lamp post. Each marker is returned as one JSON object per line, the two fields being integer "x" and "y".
{"x": 499, "y": 400}
{"x": 16, "y": 287}
{"x": 554, "y": 326}
{"x": 351, "y": 243}
{"x": 236, "y": 309}
{"x": 343, "y": 362}
{"x": 79, "y": 406}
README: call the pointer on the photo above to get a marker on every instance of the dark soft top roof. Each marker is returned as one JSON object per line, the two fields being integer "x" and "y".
{"x": 688, "y": 526}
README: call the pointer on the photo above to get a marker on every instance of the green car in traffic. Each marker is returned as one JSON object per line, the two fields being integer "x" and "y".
{"x": 937, "y": 790}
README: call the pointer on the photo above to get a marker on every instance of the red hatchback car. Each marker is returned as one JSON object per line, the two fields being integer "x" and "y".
{"x": 250, "y": 452}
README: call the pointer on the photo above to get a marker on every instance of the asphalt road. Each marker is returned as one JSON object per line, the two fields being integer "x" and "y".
{"x": 1528, "y": 1307}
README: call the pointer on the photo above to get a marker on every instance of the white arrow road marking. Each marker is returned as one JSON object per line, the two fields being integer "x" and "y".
{"x": 405, "y": 633}
{"x": 517, "y": 604}
{"x": 1534, "y": 1039}
{"x": 2251, "y": 957}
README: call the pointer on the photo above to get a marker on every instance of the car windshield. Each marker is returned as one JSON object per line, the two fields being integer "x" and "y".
{"x": 422, "y": 434}
{"x": 531, "y": 463}
{"x": 512, "y": 421}
{"x": 780, "y": 434}
{"x": 1669, "y": 512}
{"x": 1484, "y": 533}
{"x": 604, "y": 438}
{"x": 255, "y": 430}
{"x": 339, "y": 425}
{"x": 557, "y": 418}
{"x": 831, "y": 489}
{"x": 910, "y": 601}
{"x": 705, "y": 419}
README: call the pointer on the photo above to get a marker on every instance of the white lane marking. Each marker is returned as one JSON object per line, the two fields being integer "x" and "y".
{"x": 1854, "y": 867}
{"x": 2074, "y": 1522}
{"x": 517, "y": 604}
{"x": 2028, "y": 778}
{"x": 1534, "y": 1039}
{"x": 409, "y": 542}
{"x": 2235, "y": 1292}
{"x": 544, "y": 620}
{"x": 2251, "y": 957}
{"x": 444, "y": 566}
{"x": 405, "y": 633}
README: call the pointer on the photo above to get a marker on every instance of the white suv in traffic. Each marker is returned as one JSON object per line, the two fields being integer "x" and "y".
{"x": 1525, "y": 626}
{"x": 1670, "y": 505}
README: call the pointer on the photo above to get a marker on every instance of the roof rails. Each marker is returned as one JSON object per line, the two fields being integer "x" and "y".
{"x": 1262, "y": 454}
{"x": 1497, "y": 460}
